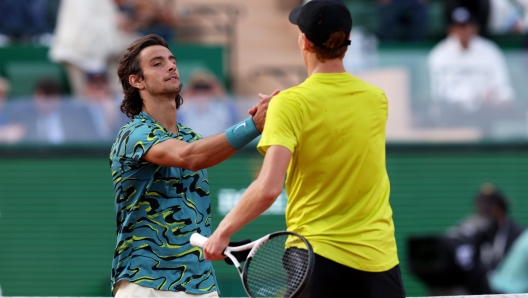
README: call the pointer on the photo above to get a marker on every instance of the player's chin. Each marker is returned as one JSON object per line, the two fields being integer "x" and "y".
{"x": 173, "y": 88}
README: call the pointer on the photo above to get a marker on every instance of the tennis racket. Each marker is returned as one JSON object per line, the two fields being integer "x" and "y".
{"x": 278, "y": 264}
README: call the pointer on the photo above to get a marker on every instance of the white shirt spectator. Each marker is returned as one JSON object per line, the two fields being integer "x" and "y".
{"x": 469, "y": 76}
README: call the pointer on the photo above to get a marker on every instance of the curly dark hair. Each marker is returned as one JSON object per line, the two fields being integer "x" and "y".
{"x": 130, "y": 64}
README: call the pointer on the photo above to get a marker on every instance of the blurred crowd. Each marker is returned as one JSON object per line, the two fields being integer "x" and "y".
{"x": 469, "y": 80}
{"x": 87, "y": 38}
{"x": 409, "y": 19}
{"x": 52, "y": 117}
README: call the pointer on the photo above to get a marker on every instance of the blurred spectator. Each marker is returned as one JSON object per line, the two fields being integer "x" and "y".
{"x": 88, "y": 39}
{"x": 469, "y": 77}
{"x": 206, "y": 109}
{"x": 9, "y": 132}
{"x": 362, "y": 53}
{"x": 48, "y": 119}
{"x": 479, "y": 10}
{"x": 407, "y": 16}
{"x": 492, "y": 205}
{"x": 492, "y": 233}
{"x": 103, "y": 109}
{"x": 508, "y": 16}
{"x": 461, "y": 260}
{"x": 20, "y": 20}
{"x": 152, "y": 17}
{"x": 511, "y": 275}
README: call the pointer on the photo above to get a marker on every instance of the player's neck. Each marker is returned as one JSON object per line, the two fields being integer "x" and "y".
{"x": 164, "y": 112}
{"x": 329, "y": 66}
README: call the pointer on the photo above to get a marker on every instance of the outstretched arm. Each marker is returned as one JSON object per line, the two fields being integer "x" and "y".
{"x": 259, "y": 196}
{"x": 195, "y": 156}
{"x": 212, "y": 150}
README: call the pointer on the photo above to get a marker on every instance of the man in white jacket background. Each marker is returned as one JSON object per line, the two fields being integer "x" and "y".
{"x": 470, "y": 83}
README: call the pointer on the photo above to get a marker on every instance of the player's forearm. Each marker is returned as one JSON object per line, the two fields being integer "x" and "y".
{"x": 261, "y": 193}
{"x": 213, "y": 150}
{"x": 207, "y": 152}
{"x": 253, "y": 203}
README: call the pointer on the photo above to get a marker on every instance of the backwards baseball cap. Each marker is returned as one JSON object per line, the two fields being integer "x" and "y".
{"x": 318, "y": 19}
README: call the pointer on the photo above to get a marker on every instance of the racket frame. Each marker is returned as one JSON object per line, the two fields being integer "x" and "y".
{"x": 199, "y": 240}
{"x": 253, "y": 246}
{"x": 258, "y": 243}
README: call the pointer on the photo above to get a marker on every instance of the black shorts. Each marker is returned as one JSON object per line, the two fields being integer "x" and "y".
{"x": 331, "y": 279}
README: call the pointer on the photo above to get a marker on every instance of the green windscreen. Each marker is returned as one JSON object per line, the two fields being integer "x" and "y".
{"x": 57, "y": 229}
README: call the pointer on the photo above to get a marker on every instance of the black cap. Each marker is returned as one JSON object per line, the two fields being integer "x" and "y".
{"x": 318, "y": 19}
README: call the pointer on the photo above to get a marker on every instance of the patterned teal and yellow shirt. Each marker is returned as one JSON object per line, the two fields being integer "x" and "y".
{"x": 157, "y": 209}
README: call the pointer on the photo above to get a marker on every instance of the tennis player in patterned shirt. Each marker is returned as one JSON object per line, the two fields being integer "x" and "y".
{"x": 328, "y": 135}
{"x": 159, "y": 171}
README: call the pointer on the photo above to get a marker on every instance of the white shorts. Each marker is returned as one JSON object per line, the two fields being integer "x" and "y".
{"x": 128, "y": 289}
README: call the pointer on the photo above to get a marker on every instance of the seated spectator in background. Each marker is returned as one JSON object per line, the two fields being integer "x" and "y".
{"x": 511, "y": 276}
{"x": 397, "y": 16}
{"x": 469, "y": 76}
{"x": 492, "y": 205}
{"x": 508, "y": 16}
{"x": 152, "y": 17}
{"x": 9, "y": 131}
{"x": 48, "y": 119}
{"x": 461, "y": 260}
{"x": 492, "y": 233}
{"x": 206, "y": 109}
{"x": 89, "y": 38}
{"x": 103, "y": 107}
{"x": 479, "y": 9}
{"x": 21, "y": 20}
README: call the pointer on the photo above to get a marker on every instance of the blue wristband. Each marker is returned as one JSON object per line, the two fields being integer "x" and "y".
{"x": 240, "y": 134}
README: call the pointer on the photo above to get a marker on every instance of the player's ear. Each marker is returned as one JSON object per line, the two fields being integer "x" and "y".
{"x": 136, "y": 82}
{"x": 306, "y": 43}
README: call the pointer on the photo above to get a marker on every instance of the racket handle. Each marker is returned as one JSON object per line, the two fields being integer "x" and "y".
{"x": 198, "y": 240}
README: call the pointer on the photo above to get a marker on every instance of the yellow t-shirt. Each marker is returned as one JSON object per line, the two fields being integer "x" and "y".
{"x": 337, "y": 183}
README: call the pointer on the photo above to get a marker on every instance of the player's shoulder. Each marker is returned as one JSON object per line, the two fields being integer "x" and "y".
{"x": 290, "y": 96}
{"x": 299, "y": 92}
{"x": 362, "y": 84}
{"x": 141, "y": 128}
{"x": 188, "y": 134}
{"x": 138, "y": 125}
{"x": 365, "y": 88}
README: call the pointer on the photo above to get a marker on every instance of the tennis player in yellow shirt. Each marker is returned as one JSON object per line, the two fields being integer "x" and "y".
{"x": 328, "y": 135}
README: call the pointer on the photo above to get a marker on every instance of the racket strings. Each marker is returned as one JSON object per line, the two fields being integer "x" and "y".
{"x": 277, "y": 269}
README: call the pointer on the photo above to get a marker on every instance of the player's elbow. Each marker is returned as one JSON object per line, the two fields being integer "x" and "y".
{"x": 269, "y": 193}
{"x": 188, "y": 160}
{"x": 193, "y": 164}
